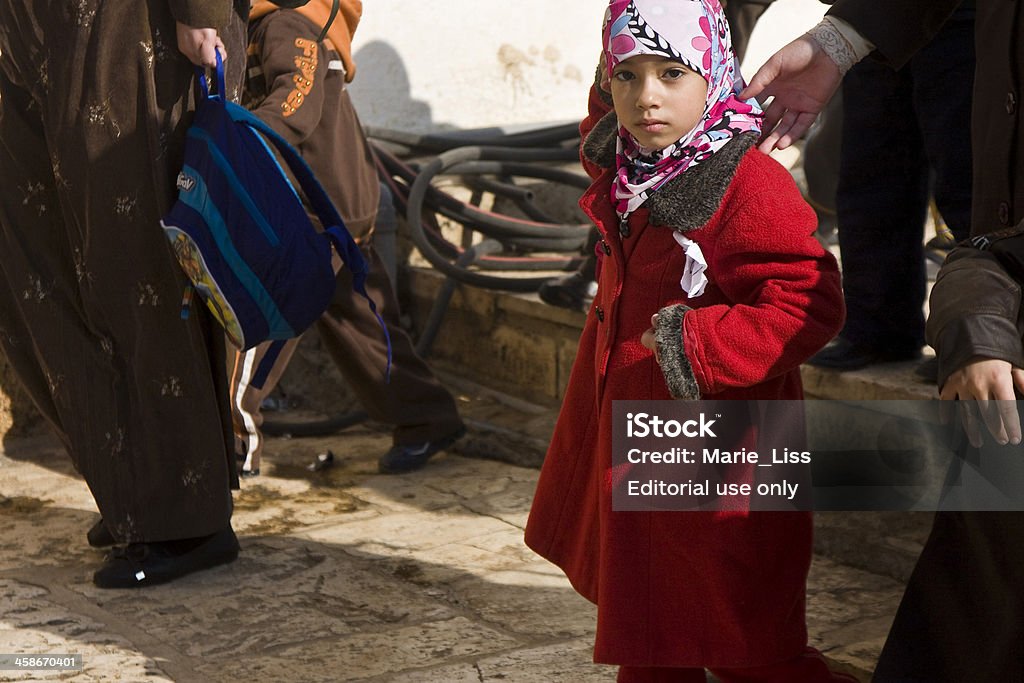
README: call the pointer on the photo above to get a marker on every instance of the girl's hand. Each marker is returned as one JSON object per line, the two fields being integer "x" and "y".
{"x": 200, "y": 45}
{"x": 649, "y": 340}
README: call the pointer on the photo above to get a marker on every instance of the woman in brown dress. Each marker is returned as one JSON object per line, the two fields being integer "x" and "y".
{"x": 93, "y": 102}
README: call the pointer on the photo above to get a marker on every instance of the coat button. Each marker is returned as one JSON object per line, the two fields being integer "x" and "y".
{"x": 606, "y": 248}
{"x": 1011, "y": 103}
{"x": 599, "y": 312}
{"x": 624, "y": 229}
{"x": 1004, "y": 213}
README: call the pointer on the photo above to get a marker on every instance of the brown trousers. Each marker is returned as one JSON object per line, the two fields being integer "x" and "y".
{"x": 414, "y": 401}
{"x": 92, "y": 103}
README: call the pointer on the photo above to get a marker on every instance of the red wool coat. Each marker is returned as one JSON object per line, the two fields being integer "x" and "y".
{"x": 688, "y": 589}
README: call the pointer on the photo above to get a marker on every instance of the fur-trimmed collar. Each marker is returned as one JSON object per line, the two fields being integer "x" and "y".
{"x": 688, "y": 201}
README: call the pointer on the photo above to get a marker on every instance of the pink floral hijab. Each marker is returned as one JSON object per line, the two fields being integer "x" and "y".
{"x": 695, "y": 33}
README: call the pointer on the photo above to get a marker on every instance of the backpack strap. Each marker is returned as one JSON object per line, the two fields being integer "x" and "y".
{"x": 321, "y": 204}
{"x": 334, "y": 225}
{"x": 335, "y": 6}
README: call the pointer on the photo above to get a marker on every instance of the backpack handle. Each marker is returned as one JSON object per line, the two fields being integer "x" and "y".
{"x": 203, "y": 93}
{"x": 204, "y": 90}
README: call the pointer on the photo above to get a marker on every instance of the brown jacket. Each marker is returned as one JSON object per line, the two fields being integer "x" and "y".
{"x": 318, "y": 11}
{"x": 899, "y": 27}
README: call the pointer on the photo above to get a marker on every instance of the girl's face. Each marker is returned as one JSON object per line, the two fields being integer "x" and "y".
{"x": 658, "y": 100}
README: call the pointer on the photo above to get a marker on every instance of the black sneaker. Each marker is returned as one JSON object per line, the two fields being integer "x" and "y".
{"x": 408, "y": 457}
{"x": 147, "y": 564}
{"x": 240, "y": 459}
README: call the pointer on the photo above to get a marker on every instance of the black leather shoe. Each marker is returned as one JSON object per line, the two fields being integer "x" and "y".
{"x": 572, "y": 291}
{"x": 147, "y": 564}
{"x": 845, "y": 355}
{"x": 99, "y": 535}
{"x": 409, "y": 457}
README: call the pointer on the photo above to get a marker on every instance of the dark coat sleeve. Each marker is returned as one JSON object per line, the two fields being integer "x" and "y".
{"x": 201, "y": 13}
{"x": 897, "y": 28}
{"x": 975, "y": 309}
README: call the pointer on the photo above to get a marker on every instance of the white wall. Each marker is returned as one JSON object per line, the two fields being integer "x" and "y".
{"x": 474, "y": 63}
{"x": 425, "y": 66}
{"x": 784, "y": 21}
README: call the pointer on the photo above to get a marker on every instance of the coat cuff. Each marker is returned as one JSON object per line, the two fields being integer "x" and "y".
{"x": 201, "y": 13}
{"x": 675, "y": 366}
{"x": 991, "y": 336}
{"x": 974, "y": 311}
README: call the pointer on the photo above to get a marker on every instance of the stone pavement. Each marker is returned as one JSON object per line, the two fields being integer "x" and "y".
{"x": 345, "y": 575}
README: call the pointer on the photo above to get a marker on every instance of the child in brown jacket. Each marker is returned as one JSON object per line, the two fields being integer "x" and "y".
{"x": 297, "y": 84}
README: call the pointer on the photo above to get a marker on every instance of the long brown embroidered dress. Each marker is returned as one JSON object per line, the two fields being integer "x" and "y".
{"x": 93, "y": 97}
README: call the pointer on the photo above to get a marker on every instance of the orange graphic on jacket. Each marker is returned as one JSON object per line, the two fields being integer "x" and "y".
{"x": 305, "y": 65}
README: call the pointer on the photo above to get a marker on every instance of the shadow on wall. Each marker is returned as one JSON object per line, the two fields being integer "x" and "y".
{"x": 382, "y": 93}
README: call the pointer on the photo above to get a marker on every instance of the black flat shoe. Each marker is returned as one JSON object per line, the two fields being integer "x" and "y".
{"x": 147, "y": 564}
{"x": 845, "y": 355}
{"x": 409, "y": 457}
{"x": 99, "y": 535}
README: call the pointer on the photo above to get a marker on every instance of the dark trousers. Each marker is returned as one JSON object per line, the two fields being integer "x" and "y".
{"x": 900, "y": 128}
{"x": 962, "y": 616}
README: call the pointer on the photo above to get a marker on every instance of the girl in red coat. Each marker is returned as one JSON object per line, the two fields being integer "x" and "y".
{"x": 707, "y": 257}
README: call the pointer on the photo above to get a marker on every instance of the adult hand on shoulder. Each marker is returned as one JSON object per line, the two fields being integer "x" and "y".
{"x": 985, "y": 389}
{"x": 200, "y": 45}
{"x": 802, "y": 79}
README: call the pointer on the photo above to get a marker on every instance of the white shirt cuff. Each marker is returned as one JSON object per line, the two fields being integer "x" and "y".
{"x": 841, "y": 42}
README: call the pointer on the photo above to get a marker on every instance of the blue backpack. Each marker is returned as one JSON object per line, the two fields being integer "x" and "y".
{"x": 241, "y": 232}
